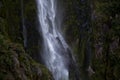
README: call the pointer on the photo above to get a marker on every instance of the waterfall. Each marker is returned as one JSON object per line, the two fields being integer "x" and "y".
{"x": 23, "y": 25}
{"x": 55, "y": 48}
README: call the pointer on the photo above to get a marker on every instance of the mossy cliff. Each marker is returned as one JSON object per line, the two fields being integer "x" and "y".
{"x": 106, "y": 33}
{"x": 92, "y": 29}
{"x": 78, "y": 30}
{"x": 15, "y": 62}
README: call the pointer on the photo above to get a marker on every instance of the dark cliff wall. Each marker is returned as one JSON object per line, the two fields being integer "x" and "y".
{"x": 34, "y": 39}
{"x": 106, "y": 60}
{"x": 78, "y": 31}
{"x": 92, "y": 30}
{"x": 16, "y": 63}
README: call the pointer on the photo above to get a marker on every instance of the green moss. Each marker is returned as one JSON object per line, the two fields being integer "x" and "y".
{"x": 106, "y": 31}
{"x": 17, "y": 65}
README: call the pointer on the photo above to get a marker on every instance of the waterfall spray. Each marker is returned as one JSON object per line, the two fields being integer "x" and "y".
{"x": 54, "y": 44}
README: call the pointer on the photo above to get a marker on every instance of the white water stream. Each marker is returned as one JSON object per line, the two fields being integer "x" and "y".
{"x": 54, "y": 47}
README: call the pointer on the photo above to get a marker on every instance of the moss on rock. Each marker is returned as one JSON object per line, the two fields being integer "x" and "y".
{"x": 17, "y": 65}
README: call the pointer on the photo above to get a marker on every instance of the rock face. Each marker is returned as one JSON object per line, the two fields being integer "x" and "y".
{"x": 15, "y": 63}
{"x": 92, "y": 29}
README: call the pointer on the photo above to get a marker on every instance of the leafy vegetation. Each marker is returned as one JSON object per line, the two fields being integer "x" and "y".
{"x": 15, "y": 63}
{"x": 91, "y": 28}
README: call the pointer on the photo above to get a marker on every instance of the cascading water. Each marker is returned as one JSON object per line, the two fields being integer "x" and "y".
{"x": 55, "y": 47}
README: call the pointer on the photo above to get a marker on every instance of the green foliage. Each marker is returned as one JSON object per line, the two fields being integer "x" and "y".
{"x": 106, "y": 36}
{"x": 17, "y": 65}
{"x": 106, "y": 33}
